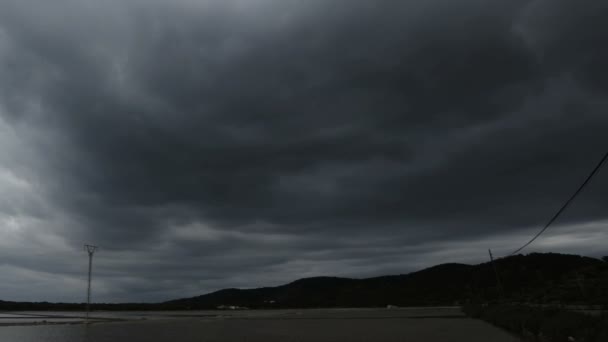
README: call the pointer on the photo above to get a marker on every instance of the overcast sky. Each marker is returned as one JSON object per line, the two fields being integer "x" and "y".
{"x": 206, "y": 144}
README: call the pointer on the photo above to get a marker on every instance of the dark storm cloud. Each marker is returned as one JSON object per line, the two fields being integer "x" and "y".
{"x": 274, "y": 139}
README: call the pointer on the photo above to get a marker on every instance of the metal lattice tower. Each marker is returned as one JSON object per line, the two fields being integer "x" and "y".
{"x": 91, "y": 250}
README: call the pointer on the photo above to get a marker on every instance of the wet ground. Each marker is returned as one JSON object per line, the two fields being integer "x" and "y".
{"x": 410, "y": 324}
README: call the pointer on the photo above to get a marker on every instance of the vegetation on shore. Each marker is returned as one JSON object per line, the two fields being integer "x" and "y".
{"x": 542, "y": 324}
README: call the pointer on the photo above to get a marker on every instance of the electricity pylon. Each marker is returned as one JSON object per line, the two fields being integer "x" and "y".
{"x": 91, "y": 250}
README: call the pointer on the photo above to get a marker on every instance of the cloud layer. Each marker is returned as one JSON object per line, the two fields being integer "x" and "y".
{"x": 209, "y": 144}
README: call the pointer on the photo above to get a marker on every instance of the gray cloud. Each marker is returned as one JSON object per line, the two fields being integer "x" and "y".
{"x": 207, "y": 144}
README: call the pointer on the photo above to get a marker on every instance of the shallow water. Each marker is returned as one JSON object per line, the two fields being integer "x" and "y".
{"x": 269, "y": 326}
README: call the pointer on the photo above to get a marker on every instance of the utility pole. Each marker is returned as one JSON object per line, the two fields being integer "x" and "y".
{"x": 498, "y": 283}
{"x": 91, "y": 250}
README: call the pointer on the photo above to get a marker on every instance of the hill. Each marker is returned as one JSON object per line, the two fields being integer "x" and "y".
{"x": 538, "y": 278}
{"x": 534, "y": 278}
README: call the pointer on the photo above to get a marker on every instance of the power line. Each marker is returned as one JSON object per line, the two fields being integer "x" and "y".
{"x": 568, "y": 202}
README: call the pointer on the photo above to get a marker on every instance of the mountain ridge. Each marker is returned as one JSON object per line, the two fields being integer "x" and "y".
{"x": 536, "y": 277}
